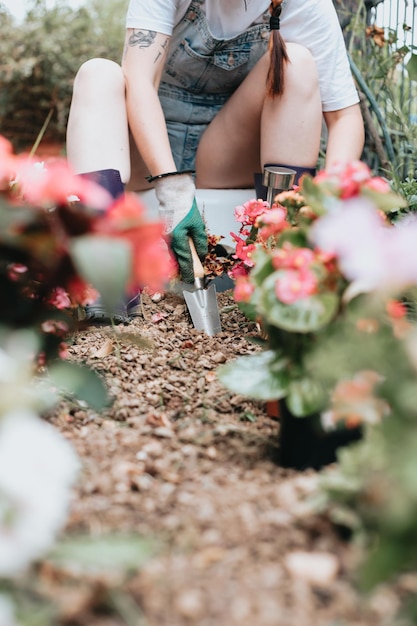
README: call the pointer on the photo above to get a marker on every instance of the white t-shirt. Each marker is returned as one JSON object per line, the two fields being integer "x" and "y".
{"x": 311, "y": 23}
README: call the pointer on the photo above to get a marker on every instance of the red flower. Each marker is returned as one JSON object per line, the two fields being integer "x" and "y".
{"x": 55, "y": 184}
{"x": 81, "y": 292}
{"x": 396, "y": 309}
{"x": 152, "y": 263}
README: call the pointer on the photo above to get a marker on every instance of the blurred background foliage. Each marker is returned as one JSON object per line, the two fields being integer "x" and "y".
{"x": 40, "y": 57}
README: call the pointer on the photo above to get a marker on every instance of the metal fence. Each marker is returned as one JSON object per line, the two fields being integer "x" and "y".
{"x": 389, "y": 71}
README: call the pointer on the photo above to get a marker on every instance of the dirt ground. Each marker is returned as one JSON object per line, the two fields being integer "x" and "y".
{"x": 183, "y": 463}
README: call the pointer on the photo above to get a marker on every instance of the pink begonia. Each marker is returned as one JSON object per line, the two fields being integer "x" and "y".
{"x": 243, "y": 290}
{"x": 291, "y": 257}
{"x": 272, "y": 222}
{"x": 243, "y": 252}
{"x": 295, "y": 285}
{"x": 371, "y": 254}
{"x": 276, "y": 215}
{"x": 238, "y": 270}
{"x": 347, "y": 178}
{"x": 249, "y": 212}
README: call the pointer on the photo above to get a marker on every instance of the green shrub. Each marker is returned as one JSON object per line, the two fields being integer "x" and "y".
{"x": 39, "y": 59}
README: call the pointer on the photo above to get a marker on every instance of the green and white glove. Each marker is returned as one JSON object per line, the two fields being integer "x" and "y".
{"x": 176, "y": 194}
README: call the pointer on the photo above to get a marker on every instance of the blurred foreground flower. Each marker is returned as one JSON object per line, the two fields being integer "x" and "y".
{"x": 57, "y": 254}
{"x": 37, "y": 470}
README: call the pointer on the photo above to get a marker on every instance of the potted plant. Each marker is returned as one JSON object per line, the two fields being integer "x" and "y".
{"x": 297, "y": 288}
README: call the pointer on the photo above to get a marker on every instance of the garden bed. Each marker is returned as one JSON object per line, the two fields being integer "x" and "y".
{"x": 188, "y": 466}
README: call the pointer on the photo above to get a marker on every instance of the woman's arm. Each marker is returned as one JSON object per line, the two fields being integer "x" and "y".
{"x": 143, "y": 62}
{"x": 346, "y": 135}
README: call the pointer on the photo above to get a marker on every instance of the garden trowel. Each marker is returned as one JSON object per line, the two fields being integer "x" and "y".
{"x": 202, "y": 300}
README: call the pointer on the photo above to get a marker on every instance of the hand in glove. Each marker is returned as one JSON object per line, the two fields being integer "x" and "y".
{"x": 179, "y": 212}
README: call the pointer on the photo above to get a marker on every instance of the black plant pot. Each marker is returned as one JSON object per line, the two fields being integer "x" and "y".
{"x": 303, "y": 443}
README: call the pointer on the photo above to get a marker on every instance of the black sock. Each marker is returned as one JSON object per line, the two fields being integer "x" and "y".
{"x": 110, "y": 180}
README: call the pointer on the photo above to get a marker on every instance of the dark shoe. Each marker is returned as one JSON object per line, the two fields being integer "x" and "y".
{"x": 96, "y": 312}
{"x": 133, "y": 307}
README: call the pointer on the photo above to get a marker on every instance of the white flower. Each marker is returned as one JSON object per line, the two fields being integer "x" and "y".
{"x": 37, "y": 469}
{"x": 371, "y": 254}
{"x": 18, "y": 387}
{"x": 7, "y": 617}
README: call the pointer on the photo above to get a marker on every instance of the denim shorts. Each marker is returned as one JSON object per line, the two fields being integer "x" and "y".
{"x": 200, "y": 75}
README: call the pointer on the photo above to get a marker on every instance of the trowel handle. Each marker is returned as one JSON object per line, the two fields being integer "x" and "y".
{"x": 197, "y": 265}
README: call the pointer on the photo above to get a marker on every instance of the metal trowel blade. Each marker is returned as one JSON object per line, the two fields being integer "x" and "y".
{"x": 203, "y": 308}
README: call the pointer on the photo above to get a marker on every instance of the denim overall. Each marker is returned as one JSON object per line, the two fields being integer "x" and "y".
{"x": 201, "y": 73}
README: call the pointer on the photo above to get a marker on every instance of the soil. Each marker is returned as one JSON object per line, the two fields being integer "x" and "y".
{"x": 188, "y": 466}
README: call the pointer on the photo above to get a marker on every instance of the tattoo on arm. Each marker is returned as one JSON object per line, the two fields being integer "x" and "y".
{"x": 162, "y": 52}
{"x": 146, "y": 39}
{"x": 142, "y": 38}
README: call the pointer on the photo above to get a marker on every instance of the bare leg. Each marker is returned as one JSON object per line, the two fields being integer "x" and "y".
{"x": 253, "y": 129}
{"x": 97, "y": 132}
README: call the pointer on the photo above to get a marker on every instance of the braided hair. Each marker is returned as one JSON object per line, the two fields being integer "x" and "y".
{"x": 278, "y": 52}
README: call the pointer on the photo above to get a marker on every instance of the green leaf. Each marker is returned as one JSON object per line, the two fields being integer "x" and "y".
{"x": 260, "y": 376}
{"x": 113, "y": 552}
{"x": 104, "y": 262}
{"x": 304, "y": 316}
{"x": 411, "y": 67}
{"x": 305, "y": 397}
{"x": 263, "y": 266}
{"x": 313, "y": 194}
{"x": 81, "y": 382}
{"x": 385, "y": 201}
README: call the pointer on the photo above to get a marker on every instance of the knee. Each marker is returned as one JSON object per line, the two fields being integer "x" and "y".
{"x": 301, "y": 77}
{"x": 97, "y": 78}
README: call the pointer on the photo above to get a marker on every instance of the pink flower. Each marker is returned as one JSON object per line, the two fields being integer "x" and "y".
{"x": 250, "y": 211}
{"x": 16, "y": 270}
{"x": 243, "y": 290}
{"x": 347, "y": 178}
{"x": 371, "y": 254}
{"x": 272, "y": 222}
{"x": 55, "y": 327}
{"x": 238, "y": 270}
{"x": 396, "y": 309}
{"x": 244, "y": 252}
{"x": 60, "y": 299}
{"x": 275, "y": 215}
{"x": 295, "y": 285}
{"x": 55, "y": 183}
{"x": 292, "y": 258}
{"x": 377, "y": 184}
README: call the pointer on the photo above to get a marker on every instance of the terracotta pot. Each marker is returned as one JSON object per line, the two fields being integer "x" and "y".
{"x": 303, "y": 443}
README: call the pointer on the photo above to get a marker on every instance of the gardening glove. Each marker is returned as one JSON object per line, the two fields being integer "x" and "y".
{"x": 176, "y": 194}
